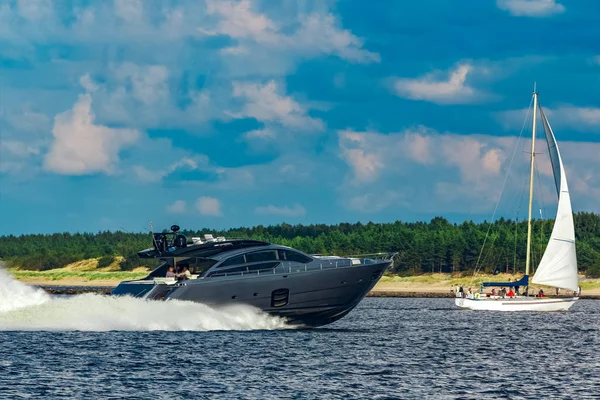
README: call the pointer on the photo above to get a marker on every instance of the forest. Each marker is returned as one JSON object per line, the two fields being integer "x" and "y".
{"x": 434, "y": 246}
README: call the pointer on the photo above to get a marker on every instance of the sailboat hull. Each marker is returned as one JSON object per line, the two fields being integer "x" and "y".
{"x": 517, "y": 304}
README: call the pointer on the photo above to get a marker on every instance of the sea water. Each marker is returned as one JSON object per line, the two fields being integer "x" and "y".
{"x": 92, "y": 346}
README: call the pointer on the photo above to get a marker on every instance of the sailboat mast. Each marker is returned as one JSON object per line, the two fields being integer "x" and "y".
{"x": 528, "y": 256}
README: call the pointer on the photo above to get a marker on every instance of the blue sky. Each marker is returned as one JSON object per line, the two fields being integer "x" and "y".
{"x": 227, "y": 113}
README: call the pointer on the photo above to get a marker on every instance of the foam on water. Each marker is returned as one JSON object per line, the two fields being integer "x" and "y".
{"x": 15, "y": 295}
{"x": 25, "y": 308}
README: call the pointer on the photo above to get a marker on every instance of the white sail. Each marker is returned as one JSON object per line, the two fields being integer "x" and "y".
{"x": 558, "y": 267}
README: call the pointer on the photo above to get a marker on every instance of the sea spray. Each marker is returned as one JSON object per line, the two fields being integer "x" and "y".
{"x": 92, "y": 312}
{"x": 15, "y": 295}
{"x": 25, "y": 308}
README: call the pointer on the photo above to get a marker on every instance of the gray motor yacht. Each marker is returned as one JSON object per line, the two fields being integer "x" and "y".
{"x": 307, "y": 290}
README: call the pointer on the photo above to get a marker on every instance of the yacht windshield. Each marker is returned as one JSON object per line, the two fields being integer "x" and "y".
{"x": 196, "y": 265}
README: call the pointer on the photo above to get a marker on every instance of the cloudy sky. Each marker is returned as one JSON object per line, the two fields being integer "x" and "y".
{"x": 219, "y": 113}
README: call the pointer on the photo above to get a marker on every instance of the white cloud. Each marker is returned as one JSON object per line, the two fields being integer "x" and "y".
{"x": 24, "y": 137}
{"x": 88, "y": 83}
{"x": 265, "y": 103}
{"x": 129, "y": 10}
{"x": 286, "y": 211}
{"x": 365, "y": 165}
{"x": 35, "y": 10}
{"x": 28, "y": 121}
{"x": 317, "y": 33}
{"x": 492, "y": 161}
{"x": 19, "y": 148}
{"x": 531, "y": 8}
{"x": 294, "y": 31}
{"x": 459, "y": 173}
{"x": 418, "y": 147}
{"x": 147, "y": 175}
{"x": 433, "y": 88}
{"x": 81, "y": 147}
{"x": 140, "y": 96}
{"x": 178, "y": 207}
{"x": 149, "y": 77}
{"x": 573, "y": 116}
{"x": 415, "y": 159}
{"x": 209, "y": 206}
{"x": 375, "y": 202}
{"x": 260, "y": 134}
{"x": 239, "y": 21}
{"x": 478, "y": 161}
{"x": 148, "y": 83}
{"x": 564, "y": 116}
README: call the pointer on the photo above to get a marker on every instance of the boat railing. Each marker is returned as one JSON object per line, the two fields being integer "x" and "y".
{"x": 387, "y": 256}
{"x": 286, "y": 267}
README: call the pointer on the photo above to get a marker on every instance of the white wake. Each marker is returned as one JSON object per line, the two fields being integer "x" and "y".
{"x": 15, "y": 295}
{"x": 25, "y": 308}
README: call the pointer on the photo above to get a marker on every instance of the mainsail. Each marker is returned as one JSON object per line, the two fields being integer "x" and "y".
{"x": 558, "y": 267}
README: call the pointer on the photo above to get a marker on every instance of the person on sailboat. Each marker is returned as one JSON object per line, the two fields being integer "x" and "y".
{"x": 469, "y": 294}
{"x": 510, "y": 293}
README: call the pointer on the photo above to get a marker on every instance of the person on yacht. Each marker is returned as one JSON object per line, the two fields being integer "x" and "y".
{"x": 170, "y": 273}
{"x": 184, "y": 274}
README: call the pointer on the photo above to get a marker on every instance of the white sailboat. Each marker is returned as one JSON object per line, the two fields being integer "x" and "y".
{"x": 558, "y": 267}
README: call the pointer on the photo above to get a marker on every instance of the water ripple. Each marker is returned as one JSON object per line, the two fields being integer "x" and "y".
{"x": 385, "y": 349}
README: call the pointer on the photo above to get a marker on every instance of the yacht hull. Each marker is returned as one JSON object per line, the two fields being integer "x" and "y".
{"x": 517, "y": 304}
{"x": 304, "y": 298}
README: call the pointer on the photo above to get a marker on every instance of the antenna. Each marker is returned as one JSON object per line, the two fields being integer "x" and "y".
{"x": 153, "y": 238}
{"x": 534, "y": 87}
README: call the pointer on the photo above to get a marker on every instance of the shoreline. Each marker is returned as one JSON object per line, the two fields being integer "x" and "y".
{"x": 407, "y": 293}
{"x": 422, "y": 286}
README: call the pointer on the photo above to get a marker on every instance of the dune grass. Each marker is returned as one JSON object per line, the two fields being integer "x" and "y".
{"x": 56, "y": 275}
{"x": 82, "y": 271}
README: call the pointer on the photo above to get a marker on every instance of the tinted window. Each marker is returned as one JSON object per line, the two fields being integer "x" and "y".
{"x": 233, "y": 261}
{"x": 232, "y": 271}
{"x": 256, "y": 267}
{"x": 259, "y": 256}
{"x": 160, "y": 272}
{"x": 200, "y": 265}
{"x": 266, "y": 266}
{"x": 195, "y": 265}
{"x": 289, "y": 255}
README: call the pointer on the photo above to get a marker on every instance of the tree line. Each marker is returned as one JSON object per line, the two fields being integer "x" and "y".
{"x": 434, "y": 246}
